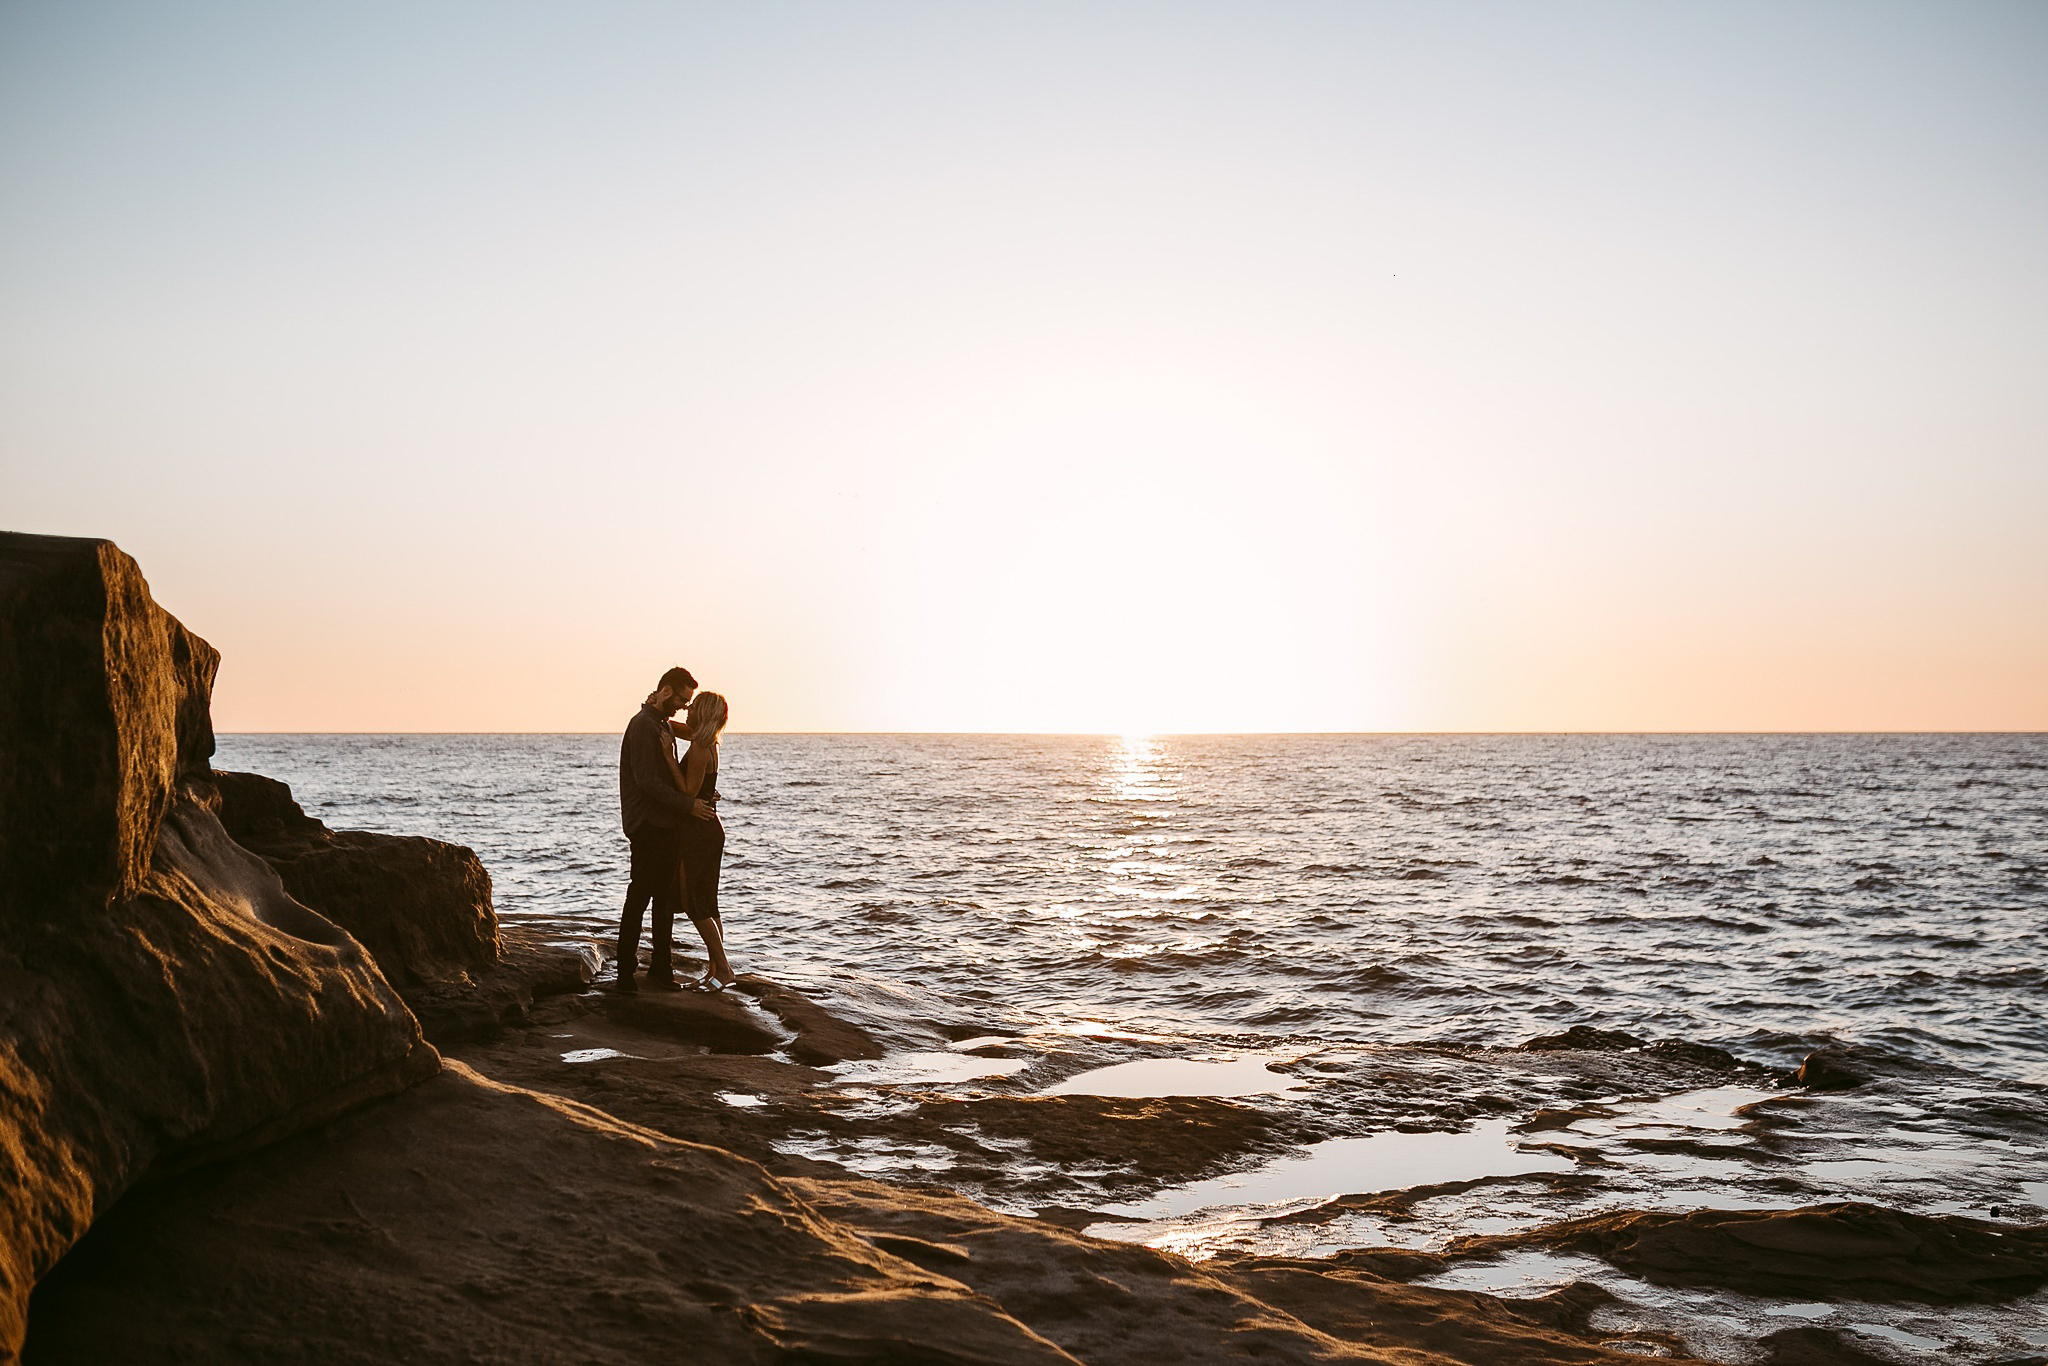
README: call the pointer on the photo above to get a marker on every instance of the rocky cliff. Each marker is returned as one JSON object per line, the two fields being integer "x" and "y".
{"x": 163, "y": 999}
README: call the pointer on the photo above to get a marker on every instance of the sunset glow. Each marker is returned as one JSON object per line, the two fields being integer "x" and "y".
{"x": 1051, "y": 368}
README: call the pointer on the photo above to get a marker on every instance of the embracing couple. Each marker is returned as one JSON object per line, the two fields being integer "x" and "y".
{"x": 670, "y": 807}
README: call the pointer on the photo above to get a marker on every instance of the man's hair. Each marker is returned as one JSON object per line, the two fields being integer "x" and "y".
{"x": 676, "y": 679}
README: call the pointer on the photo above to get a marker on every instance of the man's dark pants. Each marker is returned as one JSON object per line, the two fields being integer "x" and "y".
{"x": 657, "y": 876}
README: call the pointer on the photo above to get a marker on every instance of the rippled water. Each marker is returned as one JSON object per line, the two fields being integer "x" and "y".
{"x": 1756, "y": 892}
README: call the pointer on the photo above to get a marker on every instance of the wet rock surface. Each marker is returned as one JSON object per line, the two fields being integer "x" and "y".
{"x": 822, "y": 1038}
{"x": 469, "y": 1221}
{"x": 719, "y": 1021}
{"x": 531, "y": 977}
{"x": 1814, "y": 1347}
{"x": 1843, "y": 1251}
{"x": 462, "y": 1276}
{"x": 1144, "y": 1140}
{"x": 1107, "y": 1302}
{"x": 1084, "y": 1163}
{"x": 1841, "y": 1067}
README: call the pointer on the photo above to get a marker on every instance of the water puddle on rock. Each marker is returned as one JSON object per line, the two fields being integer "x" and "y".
{"x": 1266, "y": 1210}
{"x": 1687, "y": 1112}
{"x": 925, "y": 1069}
{"x": 1206, "y": 1213}
{"x": 1721, "y": 1325}
{"x": 1700, "y": 1149}
{"x": 1521, "y": 1274}
{"x": 1179, "y": 1077}
{"x": 878, "y": 1158}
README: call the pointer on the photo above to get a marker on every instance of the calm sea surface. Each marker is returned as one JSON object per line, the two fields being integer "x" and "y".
{"x": 1762, "y": 893}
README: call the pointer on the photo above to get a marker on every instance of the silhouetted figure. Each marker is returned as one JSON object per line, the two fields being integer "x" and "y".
{"x": 704, "y": 835}
{"x": 654, "y": 809}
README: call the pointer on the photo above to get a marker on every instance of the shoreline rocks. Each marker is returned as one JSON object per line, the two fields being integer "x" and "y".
{"x": 422, "y": 907}
{"x": 822, "y": 1038}
{"x": 1846, "y": 1250}
{"x": 1115, "y": 1302}
{"x": 473, "y": 1221}
{"x": 165, "y": 1001}
{"x": 487, "y": 1218}
{"x": 469, "y": 1221}
{"x": 214, "y": 1081}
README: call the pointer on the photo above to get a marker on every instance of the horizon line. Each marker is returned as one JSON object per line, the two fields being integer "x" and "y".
{"x": 1172, "y": 734}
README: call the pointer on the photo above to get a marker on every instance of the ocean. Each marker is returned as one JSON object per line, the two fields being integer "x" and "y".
{"x": 1350, "y": 936}
{"x": 1760, "y": 893}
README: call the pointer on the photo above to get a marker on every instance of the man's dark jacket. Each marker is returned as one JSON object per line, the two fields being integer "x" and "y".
{"x": 648, "y": 794}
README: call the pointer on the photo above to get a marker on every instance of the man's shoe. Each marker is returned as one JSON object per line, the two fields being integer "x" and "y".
{"x": 625, "y": 984}
{"x": 662, "y": 984}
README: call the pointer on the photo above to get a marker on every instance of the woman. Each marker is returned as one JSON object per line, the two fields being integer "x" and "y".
{"x": 704, "y": 835}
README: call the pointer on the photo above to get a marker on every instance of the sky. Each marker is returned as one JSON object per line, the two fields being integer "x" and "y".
{"x": 1116, "y": 367}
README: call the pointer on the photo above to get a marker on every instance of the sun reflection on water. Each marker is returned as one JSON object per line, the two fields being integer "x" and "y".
{"x": 1149, "y": 895}
{"x": 1137, "y": 771}
{"x": 1144, "y": 868}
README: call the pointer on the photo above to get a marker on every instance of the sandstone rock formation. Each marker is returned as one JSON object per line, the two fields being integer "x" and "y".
{"x": 821, "y": 1037}
{"x": 163, "y": 1000}
{"x": 420, "y": 906}
{"x": 474, "y": 1222}
{"x": 1119, "y": 1302}
{"x": 717, "y": 1021}
{"x": 468, "y": 1221}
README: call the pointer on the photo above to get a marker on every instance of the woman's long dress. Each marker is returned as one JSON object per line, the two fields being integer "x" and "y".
{"x": 703, "y": 850}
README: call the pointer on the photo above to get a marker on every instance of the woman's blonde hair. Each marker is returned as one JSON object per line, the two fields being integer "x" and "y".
{"x": 706, "y": 717}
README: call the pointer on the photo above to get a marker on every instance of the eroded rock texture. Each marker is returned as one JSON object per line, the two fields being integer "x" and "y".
{"x": 422, "y": 907}
{"x": 471, "y": 1222}
{"x": 1119, "y": 1302}
{"x": 163, "y": 1000}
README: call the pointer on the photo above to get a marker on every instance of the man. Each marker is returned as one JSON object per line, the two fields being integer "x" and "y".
{"x": 653, "y": 807}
